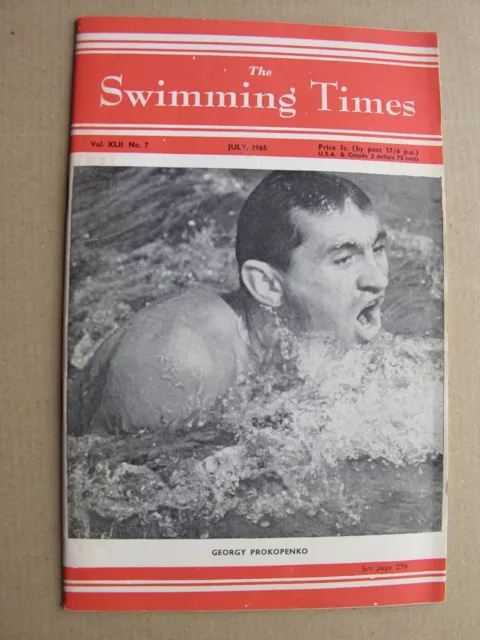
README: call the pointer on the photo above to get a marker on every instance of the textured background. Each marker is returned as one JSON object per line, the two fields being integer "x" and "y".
{"x": 36, "y": 44}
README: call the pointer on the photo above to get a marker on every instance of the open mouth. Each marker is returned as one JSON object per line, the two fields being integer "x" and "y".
{"x": 369, "y": 320}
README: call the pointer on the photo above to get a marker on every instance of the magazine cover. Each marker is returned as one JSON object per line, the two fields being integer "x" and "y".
{"x": 254, "y": 344}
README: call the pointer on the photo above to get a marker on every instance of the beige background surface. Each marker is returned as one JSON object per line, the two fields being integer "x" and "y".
{"x": 36, "y": 44}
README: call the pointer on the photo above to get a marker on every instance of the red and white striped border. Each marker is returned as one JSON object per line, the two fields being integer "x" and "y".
{"x": 207, "y": 127}
{"x": 300, "y": 586}
{"x": 254, "y": 46}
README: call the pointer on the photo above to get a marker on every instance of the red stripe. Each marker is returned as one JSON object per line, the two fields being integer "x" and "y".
{"x": 172, "y": 52}
{"x": 218, "y": 601}
{"x": 250, "y": 572}
{"x": 268, "y": 29}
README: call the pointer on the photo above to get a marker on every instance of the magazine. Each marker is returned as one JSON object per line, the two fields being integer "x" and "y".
{"x": 254, "y": 343}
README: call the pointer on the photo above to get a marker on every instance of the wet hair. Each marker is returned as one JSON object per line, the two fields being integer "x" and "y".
{"x": 266, "y": 229}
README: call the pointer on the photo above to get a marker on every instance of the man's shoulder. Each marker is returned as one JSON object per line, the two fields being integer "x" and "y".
{"x": 173, "y": 360}
{"x": 194, "y": 333}
{"x": 198, "y": 314}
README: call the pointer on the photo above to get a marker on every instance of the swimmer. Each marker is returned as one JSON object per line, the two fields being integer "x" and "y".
{"x": 312, "y": 260}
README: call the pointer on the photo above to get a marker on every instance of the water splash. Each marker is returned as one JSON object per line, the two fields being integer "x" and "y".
{"x": 341, "y": 450}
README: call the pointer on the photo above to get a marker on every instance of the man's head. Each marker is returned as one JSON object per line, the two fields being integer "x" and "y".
{"x": 310, "y": 244}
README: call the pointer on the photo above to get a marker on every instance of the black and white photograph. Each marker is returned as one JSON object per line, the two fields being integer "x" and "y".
{"x": 254, "y": 354}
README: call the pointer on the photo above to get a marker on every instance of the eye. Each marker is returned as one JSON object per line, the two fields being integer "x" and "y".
{"x": 379, "y": 248}
{"x": 344, "y": 260}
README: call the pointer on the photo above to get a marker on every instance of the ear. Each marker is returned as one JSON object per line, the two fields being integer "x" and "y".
{"x": 263, "y": 282}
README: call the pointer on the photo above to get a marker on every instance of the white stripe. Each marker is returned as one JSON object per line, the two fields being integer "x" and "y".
{"x": 253, "y": 134}
{"x": 99, "y": 125}
{"x": 257, "y": 40}
{"x": 378, "y": 576}
{"x": 250, "y": 587}
{"x": 259, "y": 49}
{"x": 261, "y": 163}
{"x": 252, "y": 55}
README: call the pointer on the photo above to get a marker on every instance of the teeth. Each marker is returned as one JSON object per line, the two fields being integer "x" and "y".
{"x": 363, "y": 319}
{"x": 369, "y": 319}
{"x": 365, "y": 316}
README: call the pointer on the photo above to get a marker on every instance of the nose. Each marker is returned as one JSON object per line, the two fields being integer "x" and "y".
{"x": 374, "y": 276}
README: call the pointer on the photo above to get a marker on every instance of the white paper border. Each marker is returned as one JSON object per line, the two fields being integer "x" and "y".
{"x": 198, "y": 553}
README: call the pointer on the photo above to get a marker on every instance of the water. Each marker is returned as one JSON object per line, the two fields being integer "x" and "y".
{"x": 352, "y": 444}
